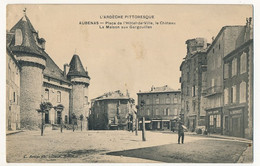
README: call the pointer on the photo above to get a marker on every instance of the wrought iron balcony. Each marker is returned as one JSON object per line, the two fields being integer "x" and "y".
{"x": 212, "y": 91}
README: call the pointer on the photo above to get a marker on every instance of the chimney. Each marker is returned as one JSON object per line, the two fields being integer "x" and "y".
{"x": 65, "y": 69}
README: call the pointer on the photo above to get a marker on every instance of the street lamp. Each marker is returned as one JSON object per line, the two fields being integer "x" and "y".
{"x": 59, "y": 108}
{"x": 143, "y": 120}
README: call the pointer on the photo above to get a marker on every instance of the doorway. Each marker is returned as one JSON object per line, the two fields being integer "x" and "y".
{"x": 47, "y": 120}
{"x": 58, "y": 117}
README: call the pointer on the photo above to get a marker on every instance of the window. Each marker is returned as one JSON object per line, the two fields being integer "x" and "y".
{"x": 164, "y": 112}
{"x": 148, "y": 111}
{"x": 243, "y": 63}
{"x": 234, "y": 67}
{"x": 218, "y": 121}
{"x": 226, "y": 70}
{"x": 175, "y": 100}
{"x": 226, "y": 96}
{"x": 193, "y": 91}
{"x": 187, "y": 106}
{"x": 211, "y": 121}
{"x": 175, "y": 112}
{"x": 168, "y": 100}
{"x": 156, "y": 111}
{"x": 46, "y": 94}
{"x": 188, "y": 90}
{"x": 86, "y": 100}
{"x": 157, "y": 101}
{"x": 194, "y": 106}
{"x": 14, "y": 97}
{"x": 242, "y": 92}
{"x": 18, "y": 37}
{"x": 167, "y": 111}
{"x": 233, "y": 94}
{"x": 58, "y": 96}
{"x": 147, "y": 101}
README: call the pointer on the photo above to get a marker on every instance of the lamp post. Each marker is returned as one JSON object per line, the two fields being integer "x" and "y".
{"x": 143, "y": 122}
{"x": 136, "y": 121}
{"x": 59, "y": 108}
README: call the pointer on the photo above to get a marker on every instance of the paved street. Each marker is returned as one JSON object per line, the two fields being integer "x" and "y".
{"x": 122, "y": 146}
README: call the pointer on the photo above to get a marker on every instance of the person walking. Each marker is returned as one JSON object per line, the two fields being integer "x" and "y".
{"x": 180, "y": 133}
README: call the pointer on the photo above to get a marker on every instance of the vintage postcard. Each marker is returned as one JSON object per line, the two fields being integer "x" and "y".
{"x": 129, "y": 83}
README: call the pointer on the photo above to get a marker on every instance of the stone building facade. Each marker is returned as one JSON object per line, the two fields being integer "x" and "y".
{"x": 193, "y": 82}
{"x": 41, "y": 80}
{"x": 224, "y": 43}
{"x": 161, "y": 107}
{"x": 12, "y": 92}
{"x": 238, "y": 87}
{"x": 226, "y": 88}
{"x": 112, "y": 110}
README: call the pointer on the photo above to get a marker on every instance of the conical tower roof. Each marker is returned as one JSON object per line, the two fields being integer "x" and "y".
{"x": 28, "y": 44}
{"x": 76, "y": 67}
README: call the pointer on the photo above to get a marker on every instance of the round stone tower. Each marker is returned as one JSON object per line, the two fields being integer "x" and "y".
{"x": 79, "y": 94}
{"x": 28, "y": 49}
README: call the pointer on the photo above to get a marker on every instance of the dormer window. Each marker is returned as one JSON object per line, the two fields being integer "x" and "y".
{"x": 18, "y": 37}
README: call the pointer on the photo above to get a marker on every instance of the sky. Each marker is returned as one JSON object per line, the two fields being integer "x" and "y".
{"x": 118, "y": 59}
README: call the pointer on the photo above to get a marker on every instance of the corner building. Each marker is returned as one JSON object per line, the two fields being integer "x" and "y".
{"x": 41, "y": 80}
{"x": 111, "y": 111}
{"x": 161, "y": 107}
{"x": 193, "y": 82}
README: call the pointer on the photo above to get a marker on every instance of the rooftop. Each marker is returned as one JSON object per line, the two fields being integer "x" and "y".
{"x": 162, "y": 89}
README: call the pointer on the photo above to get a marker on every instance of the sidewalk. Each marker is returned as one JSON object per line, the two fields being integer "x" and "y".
{"x": 13, "y": 132}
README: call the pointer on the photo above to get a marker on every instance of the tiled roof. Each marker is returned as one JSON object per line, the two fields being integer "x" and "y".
{"x": 112, "y": 95}
{"x": 161, "y": 89}
{"x": 28, "y": 40}
{"x": 52, "y": 70}
{"x": 76, "y": 68}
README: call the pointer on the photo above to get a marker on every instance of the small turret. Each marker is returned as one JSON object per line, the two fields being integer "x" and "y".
{"x": 79, "y": 95}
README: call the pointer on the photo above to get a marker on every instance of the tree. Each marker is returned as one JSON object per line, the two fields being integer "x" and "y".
{"x": 44, "y": 106}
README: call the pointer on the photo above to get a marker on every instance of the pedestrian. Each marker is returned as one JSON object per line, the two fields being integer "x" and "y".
{"x": 180, "y": 133}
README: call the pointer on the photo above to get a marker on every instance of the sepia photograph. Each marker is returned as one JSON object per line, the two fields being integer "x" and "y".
{"x": 143, "y": 83}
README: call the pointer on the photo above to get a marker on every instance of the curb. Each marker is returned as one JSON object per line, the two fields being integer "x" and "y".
{"x": 15, "y": 132}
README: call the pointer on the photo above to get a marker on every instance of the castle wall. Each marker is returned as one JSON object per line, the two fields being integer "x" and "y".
{"x": 79, "y": 102}
{"x": 31, "y": 91}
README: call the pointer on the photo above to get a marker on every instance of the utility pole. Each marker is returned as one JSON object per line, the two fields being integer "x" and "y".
{"x": 143, "y": 121}
{"x": 143, "y": 131}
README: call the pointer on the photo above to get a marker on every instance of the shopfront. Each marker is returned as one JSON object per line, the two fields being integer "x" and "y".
{"x": 214, "y": 121}
{"x": 236, "y": 123}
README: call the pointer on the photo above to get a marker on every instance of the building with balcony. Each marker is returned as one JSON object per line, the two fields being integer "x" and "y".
{"x": 238, "y": 87}
{"x": 222, "y": 45}
{"x": 193, "y": 82}
{"x": 161, "y": 107}
{"x": 113, "y": 110}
